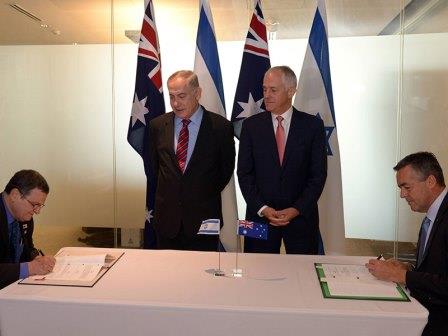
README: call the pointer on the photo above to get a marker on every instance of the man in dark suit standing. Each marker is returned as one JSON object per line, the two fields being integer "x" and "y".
{"x": 282, "y": 168}
{"x": 24, "y": 196}
{"x": 193, "y": 156}
{"x": 421, "y": 183}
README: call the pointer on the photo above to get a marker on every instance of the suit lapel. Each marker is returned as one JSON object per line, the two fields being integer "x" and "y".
{"x": 169, "y": 139}
{"x": 267, "y": 132}
{"x": 202, "y": 139}
{"x": 295, "y": 130}
{"x": 440, "y": 214}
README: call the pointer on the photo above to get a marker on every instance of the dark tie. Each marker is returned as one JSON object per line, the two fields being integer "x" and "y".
{"x": 280, "y": 139}
{"x": 422, "y": 240}
{"x": 15, "y": 242}
{"x": 182, "y": 145}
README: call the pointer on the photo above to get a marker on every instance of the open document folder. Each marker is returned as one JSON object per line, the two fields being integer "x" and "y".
{"x": 339, "y": 281}
{"x": 76, "y": 268}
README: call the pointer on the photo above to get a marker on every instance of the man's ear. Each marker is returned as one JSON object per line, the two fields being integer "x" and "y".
{"x": 291, "y": 92}
{"x": 431, "y": 181}
{"x": 15, "y": 194}
{"x": 198, "y": 93}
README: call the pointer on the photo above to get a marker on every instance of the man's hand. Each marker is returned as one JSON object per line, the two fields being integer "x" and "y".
{"x": 280, "y": 217}
{"x": 390, "y": 270}
{"x": 270, "y": 214}
{"x": 283, "y": 217}
{"x": 41, "y": 265}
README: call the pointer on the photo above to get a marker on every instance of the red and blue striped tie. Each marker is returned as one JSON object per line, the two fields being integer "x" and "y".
{"x": 182, "y": 145}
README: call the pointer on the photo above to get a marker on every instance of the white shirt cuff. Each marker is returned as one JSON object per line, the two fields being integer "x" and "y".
{"x": 259, "y": 213}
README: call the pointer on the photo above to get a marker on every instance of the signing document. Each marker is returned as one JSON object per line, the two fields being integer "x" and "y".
{"x": 79, "y": 267}
{"x": 347, "y": 281}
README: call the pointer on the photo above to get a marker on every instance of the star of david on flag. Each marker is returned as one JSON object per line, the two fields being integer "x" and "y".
{"x": 315, "y": 96}
{"x": 210, "y": 227}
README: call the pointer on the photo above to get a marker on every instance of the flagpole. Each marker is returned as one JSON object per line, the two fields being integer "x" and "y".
{"x": 237, "y": 273}
{"x": 238, "y": 246}
{"x": 219, "y": 255}
{"x": 219, "y": 272}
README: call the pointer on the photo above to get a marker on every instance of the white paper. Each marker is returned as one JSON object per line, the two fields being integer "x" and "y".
{"x": 75, "y": 267}
{"x": 356, "y": 280}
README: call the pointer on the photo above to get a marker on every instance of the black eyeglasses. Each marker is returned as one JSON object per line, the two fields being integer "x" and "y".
{"x": 36, "y": 206}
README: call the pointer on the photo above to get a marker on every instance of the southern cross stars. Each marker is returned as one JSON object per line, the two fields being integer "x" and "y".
{"x": 139, "y": 110}
{"x": 148, "y": 215}
{"x": 250, "y": 108}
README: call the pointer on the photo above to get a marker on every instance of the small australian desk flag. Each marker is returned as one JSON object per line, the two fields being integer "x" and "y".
{"x": 252, "y": 229}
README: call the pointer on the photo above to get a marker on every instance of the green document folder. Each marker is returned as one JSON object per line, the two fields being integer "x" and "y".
{"x": 342, "y": 284}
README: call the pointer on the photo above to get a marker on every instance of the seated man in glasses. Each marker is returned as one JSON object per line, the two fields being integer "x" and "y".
{"x": 23, "y": 197}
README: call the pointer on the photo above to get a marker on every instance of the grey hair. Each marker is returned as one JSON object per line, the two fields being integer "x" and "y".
{"x": 190, "y": 76}
{"x": 289, "y": 77}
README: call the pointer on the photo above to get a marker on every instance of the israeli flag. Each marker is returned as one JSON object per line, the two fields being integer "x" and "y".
{"x": 206, "y": 62}
{"x": 315, "y": 96}
{"x": 210, "y": 227}
{"x": 208, "y": 69}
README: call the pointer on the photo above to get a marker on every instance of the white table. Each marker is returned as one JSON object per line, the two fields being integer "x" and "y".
{"x": 170, "y": 293}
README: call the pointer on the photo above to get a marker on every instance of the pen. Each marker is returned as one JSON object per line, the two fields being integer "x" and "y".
{"x": 41, "y": 253}
{"x": 380, "y": 257}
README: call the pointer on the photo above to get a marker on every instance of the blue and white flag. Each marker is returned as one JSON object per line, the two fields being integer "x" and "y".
{"x": 206, "y": 62}
{"x": 210, "y": 227}
{"x": 208, "y": 69}
{"x": 315, "y": 96}
{"x": 249, "y": 91}
{"x": 252, "y": 229}
{"x": 148, "y": 104}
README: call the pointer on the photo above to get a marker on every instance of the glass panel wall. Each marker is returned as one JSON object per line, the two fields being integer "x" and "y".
{"x": 424, "y": 103}
{"x": 56, "y": 103}
{"x": 67, "y": 89}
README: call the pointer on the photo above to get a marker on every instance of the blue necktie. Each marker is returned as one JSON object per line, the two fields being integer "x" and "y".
{"x": 422, "y": 239}
{"x": 15, "y": 245}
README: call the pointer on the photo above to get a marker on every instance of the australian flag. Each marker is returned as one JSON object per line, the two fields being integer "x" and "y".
{"x": 252, "y": 229}
{"x": 249, "y": 91}
{"x": 148, "y": 104}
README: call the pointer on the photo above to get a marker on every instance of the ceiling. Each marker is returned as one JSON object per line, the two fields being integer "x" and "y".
{"x": 90, "y": 21}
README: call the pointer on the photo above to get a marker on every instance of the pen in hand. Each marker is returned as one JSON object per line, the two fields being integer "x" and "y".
{"x": 40, "y": 252}
{"x": 380, "y": 257}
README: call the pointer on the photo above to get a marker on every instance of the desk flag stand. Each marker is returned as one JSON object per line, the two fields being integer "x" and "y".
{"x": 237, "y": 272}
{"x": 212, "y": 227}
{"x": 249, "y": 229}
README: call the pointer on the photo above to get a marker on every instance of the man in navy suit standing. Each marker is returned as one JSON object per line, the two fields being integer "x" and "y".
{"x": 282, "y": 168}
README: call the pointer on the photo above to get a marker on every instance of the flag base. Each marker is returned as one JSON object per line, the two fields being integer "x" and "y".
{"x": 237, "y": 273}
{"x": 219, "y": 272}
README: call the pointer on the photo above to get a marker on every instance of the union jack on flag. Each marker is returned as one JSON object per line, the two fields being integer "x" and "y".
{"x": 252, "y": 229}
{"x": 148, "y": 104}
{"x": 246, "y": 224}
{"x": 249, "y": 91}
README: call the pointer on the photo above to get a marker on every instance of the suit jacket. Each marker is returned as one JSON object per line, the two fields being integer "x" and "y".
{"x": 188, "y": 199}
{"x": 428, "y": 283}
{"x": 9, "y": 270}
{"x": 298, "y": 182}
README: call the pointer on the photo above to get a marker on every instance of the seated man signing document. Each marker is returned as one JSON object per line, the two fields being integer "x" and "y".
{"x": 24, "y": 196}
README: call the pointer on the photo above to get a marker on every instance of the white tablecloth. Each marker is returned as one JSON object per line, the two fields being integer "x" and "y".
{"x": 173, "y": 293}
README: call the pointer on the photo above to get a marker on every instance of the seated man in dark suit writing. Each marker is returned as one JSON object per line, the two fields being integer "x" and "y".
{"x": 24, "y": 196}
{"x": 421, "y": 183}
